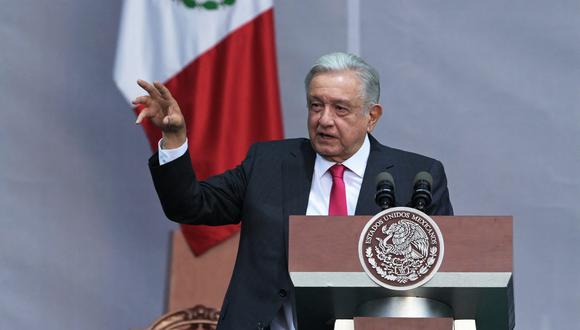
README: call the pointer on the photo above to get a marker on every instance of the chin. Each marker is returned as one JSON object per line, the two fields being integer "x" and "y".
{"x": 326, "y": 153}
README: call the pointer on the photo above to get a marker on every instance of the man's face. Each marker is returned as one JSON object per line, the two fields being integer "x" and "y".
{"x": 337, "y": 120}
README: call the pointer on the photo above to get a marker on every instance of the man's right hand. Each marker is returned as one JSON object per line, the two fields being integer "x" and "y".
{"x": 163, "y": 111}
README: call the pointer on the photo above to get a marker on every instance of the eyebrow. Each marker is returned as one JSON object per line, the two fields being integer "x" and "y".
{"x": 332, "y": 101}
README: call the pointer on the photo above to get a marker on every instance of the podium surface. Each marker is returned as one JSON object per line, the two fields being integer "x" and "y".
{"x": 475, "y": 278}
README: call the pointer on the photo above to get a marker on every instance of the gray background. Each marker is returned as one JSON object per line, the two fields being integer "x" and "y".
{"x": 491, "y": 88}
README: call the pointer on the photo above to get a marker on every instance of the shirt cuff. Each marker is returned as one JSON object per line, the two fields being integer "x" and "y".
{"x": 168, "y": 155}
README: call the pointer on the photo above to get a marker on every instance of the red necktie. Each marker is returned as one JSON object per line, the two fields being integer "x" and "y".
{"x": 337, "y": 205}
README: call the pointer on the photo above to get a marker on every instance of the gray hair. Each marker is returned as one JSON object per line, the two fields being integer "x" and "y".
{"x": 369, "y": 77}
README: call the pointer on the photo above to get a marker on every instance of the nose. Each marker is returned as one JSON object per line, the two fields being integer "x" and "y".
{"x": 326, "y": 116}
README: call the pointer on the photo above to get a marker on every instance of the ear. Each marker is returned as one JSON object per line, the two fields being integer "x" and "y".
{"x": 375, "y": 113}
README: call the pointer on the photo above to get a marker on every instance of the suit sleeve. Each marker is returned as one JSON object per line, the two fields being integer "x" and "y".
{"x": 440, "y": 203}
{"x": 184, "y": 199}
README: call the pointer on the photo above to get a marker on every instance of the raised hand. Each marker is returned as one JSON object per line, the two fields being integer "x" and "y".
{"x": 163, "y": 111}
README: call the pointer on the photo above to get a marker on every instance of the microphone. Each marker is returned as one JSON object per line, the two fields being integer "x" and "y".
{"x": 385, "y": 196}
{"x": 421, "y": 198}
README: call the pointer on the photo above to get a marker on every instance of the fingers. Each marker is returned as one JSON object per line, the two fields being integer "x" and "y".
{"x": 141, "y": 100}
{"x": 173, "y": 120}
{"x": 159, "y": 105}
{"x": 155, "y": 90}
{"x": 144, "y": 101}
{"x": 163, "y": 90}
{"x": 149, "y": 88}
{"x": 167, "y": 121}
{"x": 142, "y": 115}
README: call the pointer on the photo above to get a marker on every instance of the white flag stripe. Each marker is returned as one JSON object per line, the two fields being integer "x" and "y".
{"x": 158, "y": 38}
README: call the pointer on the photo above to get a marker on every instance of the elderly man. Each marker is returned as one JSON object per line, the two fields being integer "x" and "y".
{"x": 333, "y": 172}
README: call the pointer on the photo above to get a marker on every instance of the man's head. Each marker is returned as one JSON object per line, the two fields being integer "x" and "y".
{"x": 342, "y": 93}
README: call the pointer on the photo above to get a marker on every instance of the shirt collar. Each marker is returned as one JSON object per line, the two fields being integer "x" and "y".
{"x": 357, "y": 163}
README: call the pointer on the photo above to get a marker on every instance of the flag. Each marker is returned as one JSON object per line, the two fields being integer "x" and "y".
{"x": 218, "y": 59}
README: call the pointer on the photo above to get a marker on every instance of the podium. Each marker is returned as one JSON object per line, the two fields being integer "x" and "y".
{"x": 475, "y": 279}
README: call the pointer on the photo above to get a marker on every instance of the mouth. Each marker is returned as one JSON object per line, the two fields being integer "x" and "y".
{"x": 324, "y": 136}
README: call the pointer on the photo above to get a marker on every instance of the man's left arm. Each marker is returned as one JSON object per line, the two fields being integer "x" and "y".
{"x": 440, "y": 203}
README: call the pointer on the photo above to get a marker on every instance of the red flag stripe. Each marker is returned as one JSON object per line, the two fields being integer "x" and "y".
{"x": 230, "y": 99}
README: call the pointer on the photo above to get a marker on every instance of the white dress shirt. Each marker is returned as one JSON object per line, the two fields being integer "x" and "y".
{"x": 167, "y": 155}
{"x": 318, "y": 199}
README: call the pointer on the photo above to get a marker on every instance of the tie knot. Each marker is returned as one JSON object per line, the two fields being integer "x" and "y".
{"x": 337, "y": 170}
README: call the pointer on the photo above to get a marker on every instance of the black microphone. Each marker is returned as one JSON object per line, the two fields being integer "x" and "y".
{"x": 385, "y": 196}
{"x": 421, "y": 198}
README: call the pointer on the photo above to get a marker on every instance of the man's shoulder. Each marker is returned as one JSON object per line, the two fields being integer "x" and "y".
{"x": 405, "y": 154}
{"x": 402, "y": 155}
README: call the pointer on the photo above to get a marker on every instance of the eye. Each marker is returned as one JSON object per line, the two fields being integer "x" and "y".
{"x": 316, "y": 106}
{"x": 341, "y": 110}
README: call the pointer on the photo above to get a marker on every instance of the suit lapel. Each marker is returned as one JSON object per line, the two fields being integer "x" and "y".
{"x": 297, "y": 171}
{"x": 297, "y": 175}
{"x": 378, "y": 161}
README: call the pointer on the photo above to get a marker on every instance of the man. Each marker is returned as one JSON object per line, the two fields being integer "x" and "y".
{"x": 333, "y": 172}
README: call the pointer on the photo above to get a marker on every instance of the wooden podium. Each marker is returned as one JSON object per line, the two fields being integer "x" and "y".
{"x": 475, "y": 279}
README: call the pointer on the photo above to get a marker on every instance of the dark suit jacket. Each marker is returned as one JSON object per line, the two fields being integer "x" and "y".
{"x": 272, "y": 183}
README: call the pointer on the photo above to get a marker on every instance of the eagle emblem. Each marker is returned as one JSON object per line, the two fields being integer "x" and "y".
{"x": 401, "y": 248}
{"x": 209, "y": 4}
{"x": 408, "y": 240}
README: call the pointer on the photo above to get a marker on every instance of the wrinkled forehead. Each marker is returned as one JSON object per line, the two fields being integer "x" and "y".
{"x": 347, "y": 72}
{"x": 343, "y": 85}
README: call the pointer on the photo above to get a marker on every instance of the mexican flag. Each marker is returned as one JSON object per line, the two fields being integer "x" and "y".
{"x": 218, "y": 59}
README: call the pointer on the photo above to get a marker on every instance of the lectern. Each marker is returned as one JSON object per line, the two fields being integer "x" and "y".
{"x": 475, "y": 279}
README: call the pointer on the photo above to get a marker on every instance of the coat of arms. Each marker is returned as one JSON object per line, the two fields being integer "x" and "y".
{"x": 401, "y": 248}
{"x": 209, "y": 4}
